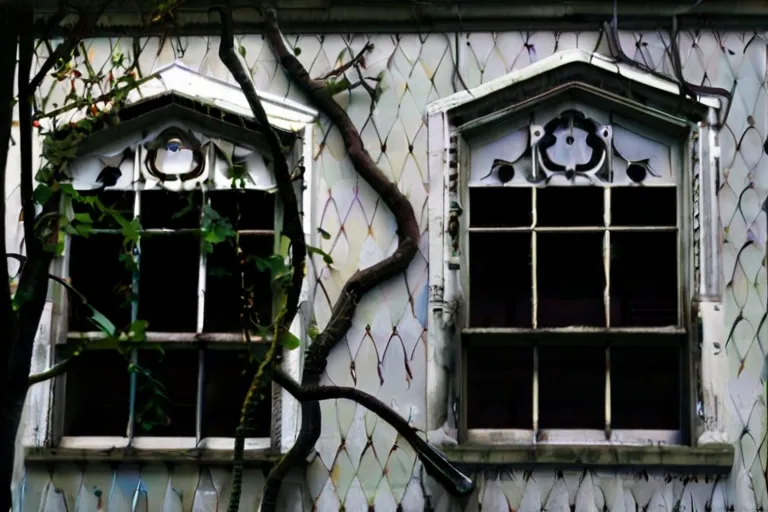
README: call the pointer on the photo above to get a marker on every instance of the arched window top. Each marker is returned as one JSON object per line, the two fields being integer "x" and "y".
{"x": 183, "y": 130}
{"x": 581, "y": 76}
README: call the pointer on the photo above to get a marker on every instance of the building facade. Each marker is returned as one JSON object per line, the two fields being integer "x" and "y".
{"x": 583, "y": 326}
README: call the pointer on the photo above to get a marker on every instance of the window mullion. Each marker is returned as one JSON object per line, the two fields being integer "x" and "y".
{"x": 607, "y": 255}
{"x": 607, "y": 392}
{"x": 202, "y": 273}
{"x": 534, "y": 265}
{"x": 199, "y": 397}
{"x": 535, "y": 393}
{"x": 607, "y": 303}
{"x": 134, "y": 316}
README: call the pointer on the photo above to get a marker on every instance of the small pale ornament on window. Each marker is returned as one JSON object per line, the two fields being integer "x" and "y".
{"x": 176, "y": 160}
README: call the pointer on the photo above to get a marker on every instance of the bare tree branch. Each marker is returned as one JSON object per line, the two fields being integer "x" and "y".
{"x": 54, "y": 371}
{"x": 26, "y": 99}
{"x": 292, "y": 228}
{"x": 86, "y": 20}
{"x": 435, "y": 463}
{"x": 356, "y": 61}
{"x": 321, "y": 93}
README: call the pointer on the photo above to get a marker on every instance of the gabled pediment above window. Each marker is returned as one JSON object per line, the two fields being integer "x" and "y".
{"x": 578, "y": 76}
{"x": 182, "y": 130}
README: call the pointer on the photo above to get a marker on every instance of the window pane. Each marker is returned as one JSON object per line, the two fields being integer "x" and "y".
{"x": 500, "y": 387}
{"x": 571, "y": 279}
{"x": 645, "y": 387}
{"x": 500, "y": 207}
{"x": 170, "y": 265}
{"x": 228, "y": 376}
{"x": 500, "y": 283}
{"x": 571, "y": 387}
{"x": 224, "y": 288}
{"x": 569, "y": 206}
{"x": 172, "y": 375}
{"x": 245, "y": 209}
{"x": 97, "y": 394}
{"x": 121, "y": 202}
{"x": 170, "y": 210}
{"x": 97, "y": 272}
{"x": 644, "y": 206}
{"x": 643, "y": 279}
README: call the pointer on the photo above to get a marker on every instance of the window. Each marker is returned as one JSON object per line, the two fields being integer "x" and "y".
{"x": 179, "y": 222}
{"x": 188, "y": 291}
{"x": 575, "y": 269}
{"x": 575, "y": 273}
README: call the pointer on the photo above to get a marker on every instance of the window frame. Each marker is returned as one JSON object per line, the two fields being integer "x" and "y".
{"x": 200, "y": 341}
{"x": 42, "y": 436}
{"x": 546, "y": 81}
{"x": 528, "y": 336}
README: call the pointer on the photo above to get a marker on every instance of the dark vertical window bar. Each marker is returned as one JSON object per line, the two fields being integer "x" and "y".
{"x": 134, "y": 317}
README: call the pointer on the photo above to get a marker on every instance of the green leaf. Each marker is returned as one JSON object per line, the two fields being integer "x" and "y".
{"x": 126, "y": 258}
{"x": 85, "y": 218}
{"x": 289, "y": 341}
{"x": 323, "y": 233}
{"x": 102, "y": 322}
{"x": 241, "y": 49}
{"x": 137, "y": 330}
{"x": 69, "y": 189}
{"x": 315, "y": 250}
{"x": 83, "y": 229}
{"x": 297, "y": 51}
{"x": 42, "y": 193}
{"x": 285, "y": 244}
{"x": 274, "y": 264}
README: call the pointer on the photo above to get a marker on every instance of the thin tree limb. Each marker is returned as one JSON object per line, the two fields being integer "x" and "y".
{"x": 85, "y": 21}
{"x": 8, "y": 37}
{"x": 435, "y": 463}
{"x": 363, "y": 280}
{"x": 54, "y": 371}
{"x": 354, "y": 62}
{"x": 23, "y": 260}
{"x": 292, "y": 228}
{"x": 26, "y": 99}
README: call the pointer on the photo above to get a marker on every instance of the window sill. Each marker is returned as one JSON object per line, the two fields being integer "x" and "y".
{"x": 712, "y": 458}
{"x": 145, "y": 449}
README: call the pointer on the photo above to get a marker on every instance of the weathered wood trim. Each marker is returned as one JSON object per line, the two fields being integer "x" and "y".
{"x": 345, "y": 16}
{"x": 710, "y": 459}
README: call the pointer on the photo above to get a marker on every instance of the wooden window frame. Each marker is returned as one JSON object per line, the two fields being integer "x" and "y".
{"x": 490, "y": 103}
{"x": 41, "y": 437}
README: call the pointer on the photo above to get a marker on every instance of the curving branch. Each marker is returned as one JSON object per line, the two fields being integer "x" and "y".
{"x": 356, "y": 61}
{"x": 321, "y": 92}
{"x": 292, "y": 228}
{"x": 435, "y": 463}
{"x": 54, "y": 371}
{"x": 26, "y": 101}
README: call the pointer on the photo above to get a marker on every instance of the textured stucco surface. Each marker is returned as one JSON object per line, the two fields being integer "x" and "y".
{"x": 360, "y": 463}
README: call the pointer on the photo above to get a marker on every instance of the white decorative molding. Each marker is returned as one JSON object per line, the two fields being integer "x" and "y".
{"x": 482, "y": 106}
{"x": 283, "y": 114}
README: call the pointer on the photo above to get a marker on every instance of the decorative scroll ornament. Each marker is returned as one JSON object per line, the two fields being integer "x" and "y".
{"x": 573, "y": 146}
{"x": 175, "y": 156}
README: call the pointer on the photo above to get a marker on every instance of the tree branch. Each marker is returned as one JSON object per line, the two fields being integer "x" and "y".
{"x": 54, "y": 371}
{"x": 85, "y": 21}
{"x": 8, "y": 37}
{"x": 435, "y": 463}
{"x": 26, "y": 100}
{"x": 23, "y": 260}
{"x": 361, "y": 281}
{"x": 292, "y": 228}
{"x": 356, "y": 60}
